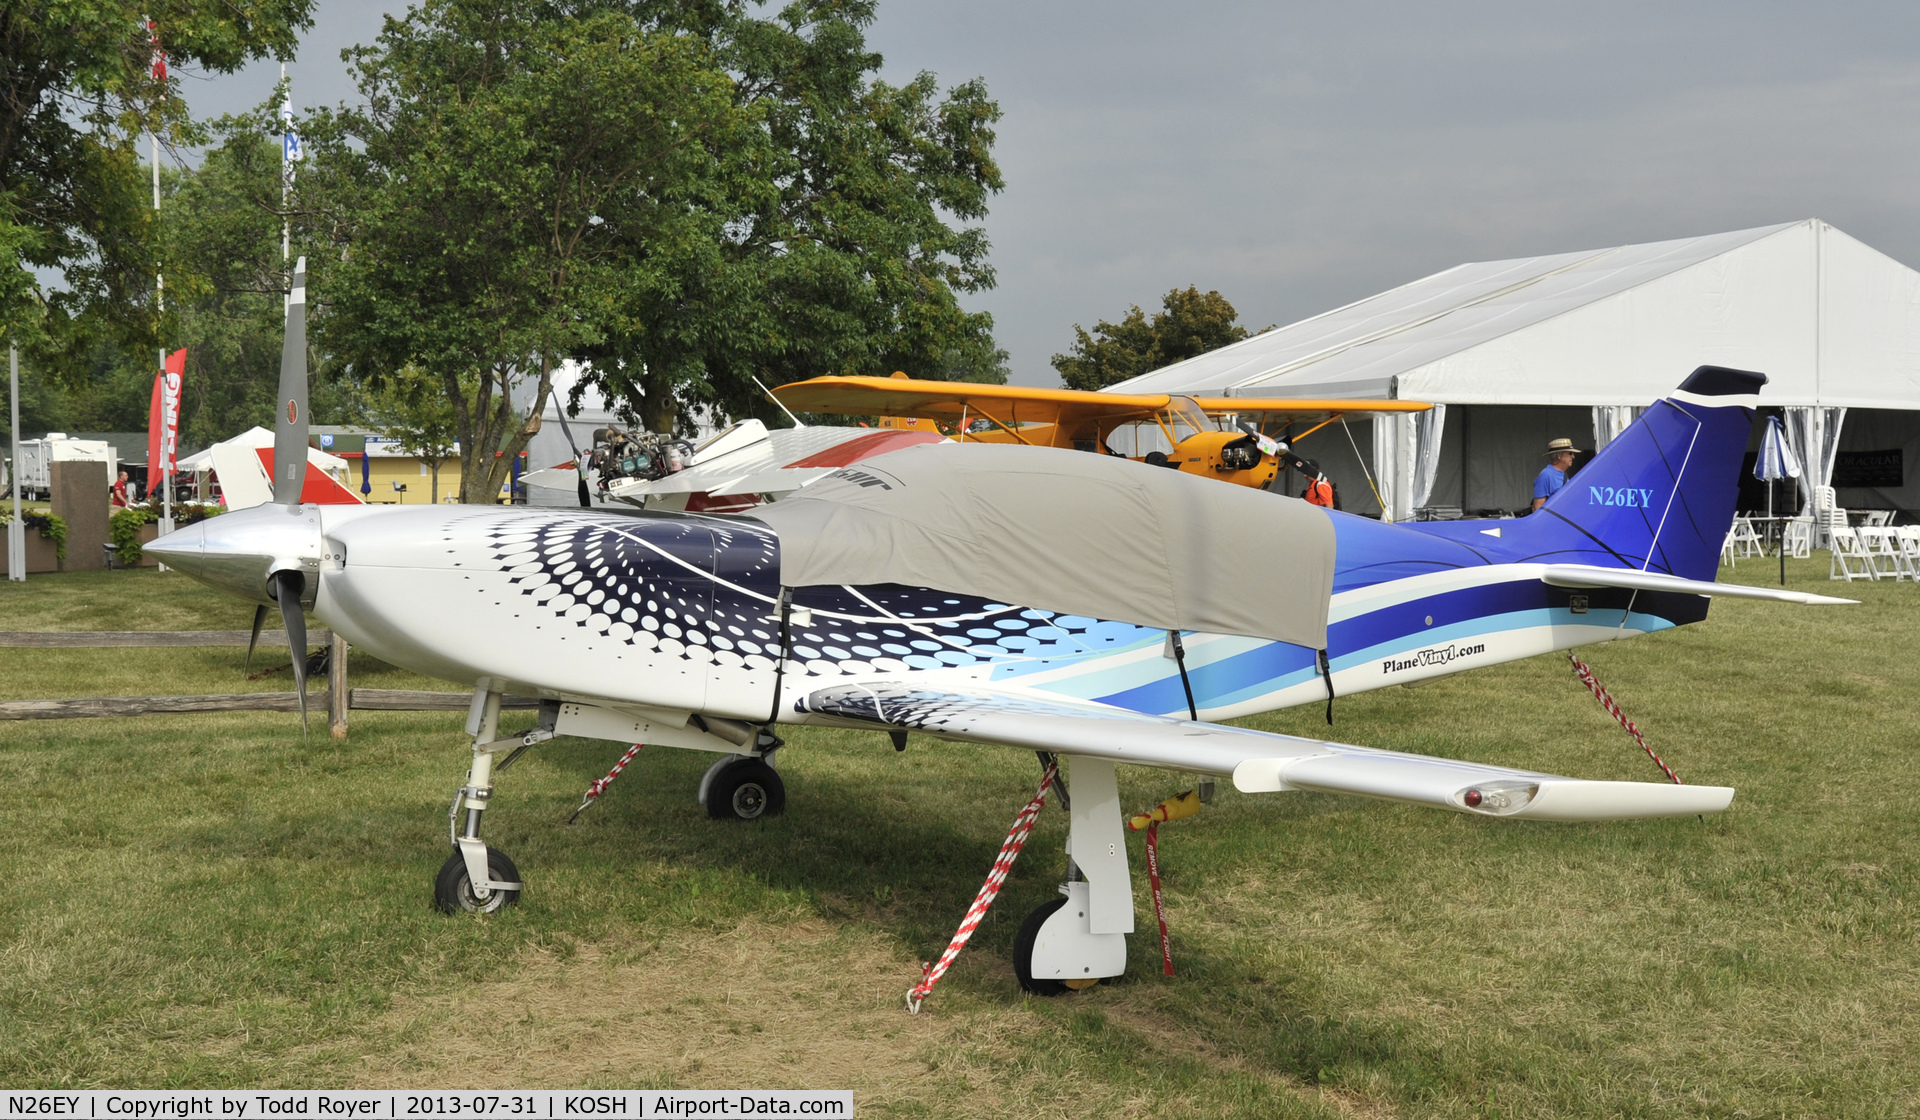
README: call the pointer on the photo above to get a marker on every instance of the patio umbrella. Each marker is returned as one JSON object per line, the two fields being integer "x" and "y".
{"x": 1774, "y": 463}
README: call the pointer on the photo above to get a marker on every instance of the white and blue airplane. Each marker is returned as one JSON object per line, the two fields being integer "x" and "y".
{"x": 677, "y": 630}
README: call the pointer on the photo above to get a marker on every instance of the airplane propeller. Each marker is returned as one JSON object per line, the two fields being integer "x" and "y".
{"x": 286, "y": 585}
{"x": 259, "y": 619}
{"x": 290, "y": 419}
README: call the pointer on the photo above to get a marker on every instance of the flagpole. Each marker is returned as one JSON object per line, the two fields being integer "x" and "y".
{"x": 16, "y": 529}
{"x": 286, "y": 164}
{"x": 160, "y": 288}
{"x": 160, "y": 295}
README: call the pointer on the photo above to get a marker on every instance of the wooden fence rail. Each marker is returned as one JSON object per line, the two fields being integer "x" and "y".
{"x": 101, "y": 639}
{"x": 366, "y": 699}
{"x": 323, "y": 701}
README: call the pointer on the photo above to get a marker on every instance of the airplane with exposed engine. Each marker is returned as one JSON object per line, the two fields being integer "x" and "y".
{"x": 1078, "y": 605}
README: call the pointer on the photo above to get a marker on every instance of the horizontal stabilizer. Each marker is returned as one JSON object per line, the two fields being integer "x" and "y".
{"x": 1584, "y": 575}
{"x": 1258, "y": 761}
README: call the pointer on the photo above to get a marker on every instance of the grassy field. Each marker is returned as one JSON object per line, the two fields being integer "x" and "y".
{"x": 211, "y": 901}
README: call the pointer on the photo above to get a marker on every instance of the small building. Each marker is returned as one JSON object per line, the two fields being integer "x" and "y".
{"x": 385, "y": 474}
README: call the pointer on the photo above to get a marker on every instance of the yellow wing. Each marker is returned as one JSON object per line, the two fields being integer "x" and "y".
{"x": 1049, "y": 417}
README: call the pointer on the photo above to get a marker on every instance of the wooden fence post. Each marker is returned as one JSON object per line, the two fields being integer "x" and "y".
{"x": 337, "y": 697}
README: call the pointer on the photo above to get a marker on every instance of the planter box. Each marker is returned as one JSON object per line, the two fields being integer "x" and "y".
{"x": 148, "y": 533}
{"x": 40, "y": 555}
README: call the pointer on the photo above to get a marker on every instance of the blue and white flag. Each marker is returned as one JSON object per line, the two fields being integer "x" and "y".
{"x": 291, "y": 151}
{"x": 1775, "y": 460}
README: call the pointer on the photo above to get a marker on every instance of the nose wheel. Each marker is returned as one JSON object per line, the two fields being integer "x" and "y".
{"x": 743, "y": 788}
{"x": 453, "y": 890}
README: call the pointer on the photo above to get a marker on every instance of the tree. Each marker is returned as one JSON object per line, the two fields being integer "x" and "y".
{"x": 77, "y": 89}
{"x": 835, "y": 255}
{"x": 1189, "y": 325}
{"x": 681, "y": 196}
{"x": 475, "y": 216}
{"x": 412, "y": 409}
{"x": 225, "y": 283}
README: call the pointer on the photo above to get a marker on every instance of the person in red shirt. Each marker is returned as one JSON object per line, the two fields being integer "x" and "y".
{"x": 118, "y": 494}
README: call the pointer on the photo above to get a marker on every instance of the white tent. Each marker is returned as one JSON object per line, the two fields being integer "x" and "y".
{"x": 244, "y": 482}
{"x": 1833, "y": 323}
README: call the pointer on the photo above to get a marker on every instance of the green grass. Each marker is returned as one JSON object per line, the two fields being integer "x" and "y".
{"x": 211, "y": 901}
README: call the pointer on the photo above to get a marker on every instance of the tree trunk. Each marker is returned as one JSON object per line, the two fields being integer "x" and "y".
{"x": 502, "y": 428}
{"x": 658, "y": 409}
{"x": 434, "y": 496}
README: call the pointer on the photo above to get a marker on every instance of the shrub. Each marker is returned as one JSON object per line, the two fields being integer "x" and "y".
{"x": 51, "y": 528}
{"x": 124, "y": 529}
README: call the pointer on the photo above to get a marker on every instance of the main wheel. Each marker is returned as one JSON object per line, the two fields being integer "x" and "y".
{"x": 746, "y": 791}
{"x": 1023, "y": 955}
{"x": 453, "y": 887}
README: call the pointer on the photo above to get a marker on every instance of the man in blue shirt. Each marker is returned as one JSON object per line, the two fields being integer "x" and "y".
{"x": 1560, "y": 455}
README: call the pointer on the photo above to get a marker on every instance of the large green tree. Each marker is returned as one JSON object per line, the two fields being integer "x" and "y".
{"x": 1189, "y": 324}
{"x": 682, "y": 196}
{"x": 77, "y": 91}
{"x": 843, "y": 251}
{"x": 475, "y": 215}
{"x": 220, "y": 229}
{"x": 219, "y": 233}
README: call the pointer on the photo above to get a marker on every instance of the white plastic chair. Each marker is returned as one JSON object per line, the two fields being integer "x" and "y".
{"x": 1745, "y": 539}
{"x": 1875, "y": 518}
{"x": 1822, "y": 516}
{"x": 1850, "y": 560}
{"x": 1907, "y": 540}
{"x": 1730, "y": 548}
{"x": 1798, "y": 540}
{"x": 1882, "y": 548}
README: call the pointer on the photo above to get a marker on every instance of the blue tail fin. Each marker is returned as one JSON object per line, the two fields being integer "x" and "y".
{"x": 1661, "y": 496}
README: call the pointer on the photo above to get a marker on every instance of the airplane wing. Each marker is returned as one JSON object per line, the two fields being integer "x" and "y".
{"x": 952, "y": 400}
{"x": 1258, "y": 761}
{"x": 1025, "y": 404}
{"x": 1298, "y": 408}
{"x": 1584, "y": 575}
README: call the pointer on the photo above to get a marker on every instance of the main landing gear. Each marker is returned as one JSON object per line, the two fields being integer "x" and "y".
{"x": 1075, "y": 942}
{"x": 743, "y": 788}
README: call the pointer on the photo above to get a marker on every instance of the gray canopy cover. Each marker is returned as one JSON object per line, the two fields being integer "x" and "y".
{"x": 1065, "y": 531}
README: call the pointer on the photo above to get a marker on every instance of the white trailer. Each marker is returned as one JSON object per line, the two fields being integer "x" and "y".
{"x": 37, "y": 456}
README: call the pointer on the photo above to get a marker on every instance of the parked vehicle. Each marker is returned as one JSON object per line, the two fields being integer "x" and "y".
{"x": 37, "y": 457}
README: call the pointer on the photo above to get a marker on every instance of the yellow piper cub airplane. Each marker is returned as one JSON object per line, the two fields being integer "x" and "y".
{"x": 1191, "y": 426}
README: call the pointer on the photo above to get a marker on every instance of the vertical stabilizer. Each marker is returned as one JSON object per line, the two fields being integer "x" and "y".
{"x": 1660, "y": 497}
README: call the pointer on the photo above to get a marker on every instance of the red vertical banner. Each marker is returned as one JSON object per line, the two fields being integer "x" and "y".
{"x": 163, "y": 419}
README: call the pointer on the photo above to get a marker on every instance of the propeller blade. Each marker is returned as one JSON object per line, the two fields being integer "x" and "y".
{"x": 290, "y": 419}
{"x": 259, "y": 619}
{"x": 287, "y": 587}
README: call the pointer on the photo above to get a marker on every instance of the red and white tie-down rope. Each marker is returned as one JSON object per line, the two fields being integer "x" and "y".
{"x": 1606, "y": 701}
{"x": 599, "y": 785}
{"x": 989, "y": 890}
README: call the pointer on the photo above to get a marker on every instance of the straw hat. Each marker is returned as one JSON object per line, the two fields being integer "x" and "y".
{"x": 1559, "y": 445}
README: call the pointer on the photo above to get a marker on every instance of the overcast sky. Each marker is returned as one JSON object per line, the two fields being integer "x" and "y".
{"x": 1297, "y": 158}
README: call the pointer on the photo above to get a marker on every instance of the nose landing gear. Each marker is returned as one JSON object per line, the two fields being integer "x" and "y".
{"x": 453, "y": 890}
{"x": 476, "y": 878}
